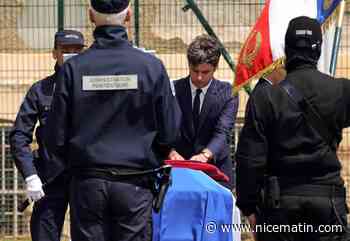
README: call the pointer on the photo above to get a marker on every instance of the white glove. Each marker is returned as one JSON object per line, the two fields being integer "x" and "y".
{"x": 34, "y": 188}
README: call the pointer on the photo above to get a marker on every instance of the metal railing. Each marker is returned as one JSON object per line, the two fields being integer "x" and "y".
{"x": 12, "y": 223}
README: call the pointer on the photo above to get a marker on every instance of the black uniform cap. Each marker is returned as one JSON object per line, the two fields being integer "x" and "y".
{"x": 304, "y": 32}
{"x": 109, "y": 6}
{"x": 69, "y": 37}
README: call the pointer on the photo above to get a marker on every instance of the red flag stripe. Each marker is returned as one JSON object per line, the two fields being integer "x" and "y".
{"x": 255, "y": 56}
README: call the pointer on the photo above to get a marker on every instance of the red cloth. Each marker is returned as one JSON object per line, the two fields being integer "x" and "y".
{"x": 209, "y": 169}
{"x": 256, "y": 55}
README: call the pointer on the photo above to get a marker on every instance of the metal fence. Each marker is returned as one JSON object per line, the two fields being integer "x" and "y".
{"x": 11, "y": 191}
{"x": 26, "y": 40}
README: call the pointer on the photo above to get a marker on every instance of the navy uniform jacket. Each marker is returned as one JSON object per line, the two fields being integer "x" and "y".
{"x": 113, "y": 128}
{"x": 35, "y": 107}
{"x": 276, "y": 139}
{"x": 216, "y": 121}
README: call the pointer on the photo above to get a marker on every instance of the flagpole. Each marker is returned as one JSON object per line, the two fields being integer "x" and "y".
{"x": 337, "y": 38}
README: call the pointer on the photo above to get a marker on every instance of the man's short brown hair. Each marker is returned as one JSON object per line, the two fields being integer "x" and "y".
{"x": 204, "y": 49}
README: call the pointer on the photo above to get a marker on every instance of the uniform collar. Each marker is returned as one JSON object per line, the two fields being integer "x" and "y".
{"x": 57, "y": 68}
{"x": 297, "y": 64}
{"x": 109, "y": 36}
{"x": 267, "y": 80}
{"x": 55, "y": 74}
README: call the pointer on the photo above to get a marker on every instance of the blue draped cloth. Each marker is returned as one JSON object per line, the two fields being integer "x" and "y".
{"x": 194, "y": 209}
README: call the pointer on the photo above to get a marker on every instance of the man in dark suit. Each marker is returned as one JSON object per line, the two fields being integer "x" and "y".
{"x": 208, "y": 107}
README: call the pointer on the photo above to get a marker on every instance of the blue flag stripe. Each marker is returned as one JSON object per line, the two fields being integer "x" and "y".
{"x": 322, "y": 13}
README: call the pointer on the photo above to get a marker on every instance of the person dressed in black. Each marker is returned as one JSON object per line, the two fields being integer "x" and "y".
{"x": 50, "y": 202}
{"x": 114, "y": 117}
{"x": 288, "y": 171}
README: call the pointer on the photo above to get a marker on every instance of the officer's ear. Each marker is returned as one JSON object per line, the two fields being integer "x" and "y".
{"x": 128, "y": 15}
{"x": 92, "y": 16}
{"x": 55, "y": 54}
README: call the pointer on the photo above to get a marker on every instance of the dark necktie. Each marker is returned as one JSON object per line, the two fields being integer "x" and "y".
{"x": 196, "y": 108}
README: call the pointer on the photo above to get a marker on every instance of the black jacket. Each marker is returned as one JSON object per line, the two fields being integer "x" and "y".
{"x": 277, "y": 140}
{"x": 35, "y": 108}
{"x": 112, "y": 126}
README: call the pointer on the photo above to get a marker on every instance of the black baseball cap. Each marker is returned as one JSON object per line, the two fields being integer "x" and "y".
{"x": 69, "y": 37}
{"x": 303, "y": 32}
{"x": 109, "y": 6}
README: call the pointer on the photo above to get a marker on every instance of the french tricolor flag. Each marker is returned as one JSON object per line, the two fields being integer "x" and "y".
{"x": 263, "y": 50}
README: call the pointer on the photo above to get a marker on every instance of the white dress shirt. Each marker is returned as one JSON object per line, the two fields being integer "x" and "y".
{"x": 202, "y": 95}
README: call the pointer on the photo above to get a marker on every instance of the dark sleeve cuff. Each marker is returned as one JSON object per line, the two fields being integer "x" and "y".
{"x": 28, "y": 171}
{"x": 247, "y": 208}
{"x": 247, "y": 211}
{"x": 162, "y": 151}
{"x": 212, "y": 161}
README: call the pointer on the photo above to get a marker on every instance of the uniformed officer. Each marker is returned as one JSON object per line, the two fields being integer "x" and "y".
{"x": 114, "y": 116}
{"x": 50, "y": 202}
{"x": 302, "y": 183}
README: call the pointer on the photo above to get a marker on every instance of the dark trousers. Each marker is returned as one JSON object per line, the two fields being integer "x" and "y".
{"x": 103, "y": 210}
{"x": 49, "y": 213}
{"x": 306, "y": 210}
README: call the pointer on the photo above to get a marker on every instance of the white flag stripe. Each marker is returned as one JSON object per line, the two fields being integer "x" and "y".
{"x": 327, "y": 47}
{"x": 280, "y": 13}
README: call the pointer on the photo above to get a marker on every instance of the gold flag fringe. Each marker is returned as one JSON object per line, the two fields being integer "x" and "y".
{"x": 331, "y": 19}
{"x": 266, "y": 71}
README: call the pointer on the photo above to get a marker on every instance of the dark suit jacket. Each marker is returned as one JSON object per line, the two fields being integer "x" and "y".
{"x": 216, "y": 121}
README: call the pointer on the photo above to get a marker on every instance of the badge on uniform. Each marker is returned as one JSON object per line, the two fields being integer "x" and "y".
{"x": 110, "y": 82}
